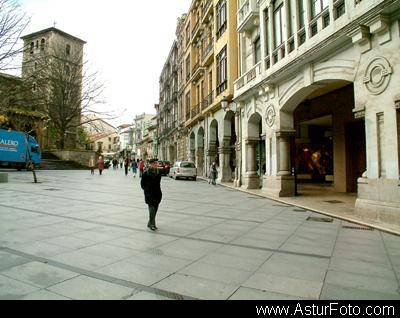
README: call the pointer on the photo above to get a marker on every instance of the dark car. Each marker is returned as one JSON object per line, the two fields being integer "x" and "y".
{"x": 164, "y": 167}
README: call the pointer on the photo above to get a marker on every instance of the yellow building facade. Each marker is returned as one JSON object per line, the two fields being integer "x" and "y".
{"x": 209, "y": 68}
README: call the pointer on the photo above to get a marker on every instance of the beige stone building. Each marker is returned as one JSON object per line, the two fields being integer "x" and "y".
{"x": 318, "y": 100}
{"x": 207, "y": 50}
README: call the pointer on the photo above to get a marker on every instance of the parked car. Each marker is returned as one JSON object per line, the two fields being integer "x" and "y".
{"x": 164, "y": 167}
{"x": 184, "y": 169}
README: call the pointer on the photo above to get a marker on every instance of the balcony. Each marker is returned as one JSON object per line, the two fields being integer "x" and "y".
{"x": 248, "y": 16}
{"x": 195, "y": 111}
{"x": 197, "y": 72}
{"x": 196, "y": 31}
{"x": 207, "y": 101}
{"x": 207, "y": 55}
{"x": 207, "y": 9}
{"x": 248, "y": 78}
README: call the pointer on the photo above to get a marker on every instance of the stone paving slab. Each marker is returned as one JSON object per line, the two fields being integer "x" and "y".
{"x": 86, "y": 288}
{"x": 244, "y": 293}
{"x": 44, "y": 295}
{"x": 38, "y": 274}
{"x": 196, "y": 287}
{"x": 337, "y": 292}
{"x": 11, "y": 289}
{"x": 285, "y": 285}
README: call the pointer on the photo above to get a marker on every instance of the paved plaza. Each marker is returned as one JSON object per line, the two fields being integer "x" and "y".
{"x": 74, "y": 236}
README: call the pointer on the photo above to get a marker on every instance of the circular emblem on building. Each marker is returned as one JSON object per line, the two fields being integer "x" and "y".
{"x": 270, "y": 116}
{"x": 377, "y": 76}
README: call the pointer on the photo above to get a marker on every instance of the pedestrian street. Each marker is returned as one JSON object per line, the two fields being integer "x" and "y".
{"x": 74, "y": 236}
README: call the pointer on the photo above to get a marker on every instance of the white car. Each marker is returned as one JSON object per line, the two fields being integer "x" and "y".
{"x": 184, "y": 169}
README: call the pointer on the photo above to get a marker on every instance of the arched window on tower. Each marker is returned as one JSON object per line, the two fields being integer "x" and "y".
{"x": 42, "y": 45}
{"x": 68, "y": 50}
{"x": 32, "y": 47}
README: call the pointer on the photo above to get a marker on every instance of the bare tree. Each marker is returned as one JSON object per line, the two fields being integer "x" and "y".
{"x": 67, "y": 90}
{"x": 12, "y": 23}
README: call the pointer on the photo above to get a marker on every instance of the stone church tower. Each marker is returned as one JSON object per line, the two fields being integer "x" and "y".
{"x": 44, "y": 48}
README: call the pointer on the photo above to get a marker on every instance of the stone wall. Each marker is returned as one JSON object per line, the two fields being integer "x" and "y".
{"x": 79, "y": 156}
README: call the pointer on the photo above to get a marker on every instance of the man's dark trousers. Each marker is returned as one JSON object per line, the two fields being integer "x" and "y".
{"x": 153, "y": 209}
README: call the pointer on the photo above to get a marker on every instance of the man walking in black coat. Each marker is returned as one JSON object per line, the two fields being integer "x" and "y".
{"x": 151, "y": 184}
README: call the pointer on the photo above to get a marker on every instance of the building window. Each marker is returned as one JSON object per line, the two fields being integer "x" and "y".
{"x": 34, "y": 87}
{"x": 221, "y": 18}
{"x": 317, "y": 6}
{"x": 266, "y": 18}
{"x": 340, "y": 9}
{"x": 222, "y": 71}
{"x": 314, "y": 29}
{"x": 326, "y": 20}
{"x": 67, "y": 70}
{"x": 257, "y": 50}
{"x": 68, "y": 50}
{"x": 187, "y": 34}
{"x": 381, "y": 144}
{"x": 188, "y": 68}
{"x": 302, "y": 13}
{"x": 187, "y": 106}
{"x": 32, "y": 48}
{"x": 42, "y": 44}
{"x": 278, "y": 25}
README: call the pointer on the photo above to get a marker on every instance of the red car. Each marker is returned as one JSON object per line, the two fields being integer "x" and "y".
{"x": 164, "y": 167}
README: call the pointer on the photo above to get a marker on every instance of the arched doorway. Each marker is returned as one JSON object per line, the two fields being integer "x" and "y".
{"x": 328, "y": 152}
{"x": 227, "y": 150}
{"x": 213, "y": 145}
{"x": 200, "y": 152}
{"x": 192, "y": 147}
{"x": 255, "y": 153}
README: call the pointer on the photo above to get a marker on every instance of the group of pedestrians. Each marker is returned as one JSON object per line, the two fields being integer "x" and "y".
{"x": 150, "y": 180}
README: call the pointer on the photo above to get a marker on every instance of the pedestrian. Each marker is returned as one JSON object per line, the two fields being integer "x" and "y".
{"x": 213, "y": 173}
{"x": 141, "y": 168}
{"x": 134, "y": 167}
{"x": 127, "y": 163}
{"x": 115, "y": 163}
{"x": 92, "y": 164}
{"x": 100, "y": 165}
{"x": 151, "y": 184}
{"x": 121, "y": 162}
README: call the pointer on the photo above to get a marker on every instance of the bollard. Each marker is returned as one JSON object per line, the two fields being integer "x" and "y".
{"x": 3, "y": 177}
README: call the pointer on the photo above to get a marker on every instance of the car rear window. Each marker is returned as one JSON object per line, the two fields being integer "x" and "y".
{"x": 187, "y": 165}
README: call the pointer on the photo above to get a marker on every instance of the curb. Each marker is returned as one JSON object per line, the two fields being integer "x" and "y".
{"x": 343, "y": 218}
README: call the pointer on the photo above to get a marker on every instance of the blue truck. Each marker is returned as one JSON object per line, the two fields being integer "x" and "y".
{"x": 17, "y": 149}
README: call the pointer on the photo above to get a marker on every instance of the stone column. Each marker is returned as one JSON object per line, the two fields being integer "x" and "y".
{"x": 283, "y": 139}
{"x": 238, "y": 149}
{"x": 252, "y": 178}
{"x": 281, "y": 184}
{"x": 200, "y": 162}
{"x": 211, "y": 153}
{"x": 224, "y": 159}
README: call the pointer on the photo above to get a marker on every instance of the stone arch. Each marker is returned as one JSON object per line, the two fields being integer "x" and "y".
{"x": 200, "y": 151}
{"x": 322, "y": 115}
{"x": 227, "y": 153}
{"x": 213, "y": 143}
{"x": 254, "y": 149}
{"x": 192, "y": 147}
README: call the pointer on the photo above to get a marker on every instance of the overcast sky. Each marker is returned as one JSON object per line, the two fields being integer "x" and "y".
{"x": 128, "y": 42}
